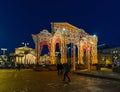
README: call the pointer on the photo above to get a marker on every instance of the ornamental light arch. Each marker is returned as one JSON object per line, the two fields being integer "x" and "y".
{"x": 64, "y": 33}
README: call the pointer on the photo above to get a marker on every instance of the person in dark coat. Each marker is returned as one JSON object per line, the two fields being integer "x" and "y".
{"x": 59, "y": 68}
{"x": 66, "y": 71}
{"x": 18, "y": 66}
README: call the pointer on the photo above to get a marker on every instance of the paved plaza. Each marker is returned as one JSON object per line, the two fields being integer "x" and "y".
{"x": 28, "y": 80}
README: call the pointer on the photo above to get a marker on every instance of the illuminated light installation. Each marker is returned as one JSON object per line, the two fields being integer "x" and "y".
{"x": 63, "y": 34}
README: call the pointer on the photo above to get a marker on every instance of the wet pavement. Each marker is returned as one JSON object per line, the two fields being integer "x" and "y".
{"x": 48, "y": 81}
{"x": 103, "y": 73}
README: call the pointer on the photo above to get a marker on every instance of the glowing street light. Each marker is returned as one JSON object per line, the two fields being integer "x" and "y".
{"x": 25, "y": 43}
{"x": 94, "y": 35}
{"x": 4, "y": 49}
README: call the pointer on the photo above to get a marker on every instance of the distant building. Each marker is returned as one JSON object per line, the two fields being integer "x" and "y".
{"x": 23, "y": 55}
{"x": 109, "y": 55}
{"x": 112, "y": 51}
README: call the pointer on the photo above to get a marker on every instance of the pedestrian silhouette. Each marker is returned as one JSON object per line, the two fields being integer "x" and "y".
{"x": 66, "y": 71}
{"x": 18, "y": 67}
{"x": 60, "y": 68}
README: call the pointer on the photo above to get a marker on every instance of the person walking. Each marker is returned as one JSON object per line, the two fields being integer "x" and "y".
{"x": 18, "y": 67}
{"x": 66, "y": 71}
{"x": 59, "y": 68}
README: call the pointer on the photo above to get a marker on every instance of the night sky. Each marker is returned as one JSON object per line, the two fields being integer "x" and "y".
{"x": 21, "y": 18}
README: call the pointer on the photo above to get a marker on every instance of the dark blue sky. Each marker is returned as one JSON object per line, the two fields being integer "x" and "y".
{"x": 21, "y": 18}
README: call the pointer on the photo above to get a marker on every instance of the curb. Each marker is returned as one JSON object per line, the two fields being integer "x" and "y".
{"x": 97, "y": 76}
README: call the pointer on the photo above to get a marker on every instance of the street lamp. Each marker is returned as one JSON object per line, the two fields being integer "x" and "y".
{"x": 4, "y": 49}
{"x": 94, "y": 35}
{"x": 25, "y": 44}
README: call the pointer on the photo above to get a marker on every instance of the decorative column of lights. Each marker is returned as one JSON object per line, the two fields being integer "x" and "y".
{"x": 92, "y": 51}
{"x": 74, "y": 54}
{"x": 88, "y": 58}
{"x": 25, "y": 51}
{"x": 64, "y": 45}
{"x": 79, "y": 51}
{"x": 79, "y": 38}
{"x": 62, "y": 48}
{"x": 52, "y": 52}
{"x": 70, "y": 48}
{"x": 94, "y": 48}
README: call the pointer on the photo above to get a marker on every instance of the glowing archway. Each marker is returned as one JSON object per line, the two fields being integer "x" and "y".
{"x": 65, "y": 33}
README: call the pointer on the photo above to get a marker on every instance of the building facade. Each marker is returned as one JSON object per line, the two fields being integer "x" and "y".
{"x": 23, "y": 55}
{"x": 109, "y": 56}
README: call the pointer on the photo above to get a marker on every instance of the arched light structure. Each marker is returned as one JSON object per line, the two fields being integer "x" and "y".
{"x": 65, "y": 33}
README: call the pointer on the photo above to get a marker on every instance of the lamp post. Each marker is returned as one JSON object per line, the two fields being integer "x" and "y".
{"x": 25, "y": 50}
{"x": 4, "y": 49}
{"x": 25, "y": 44}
